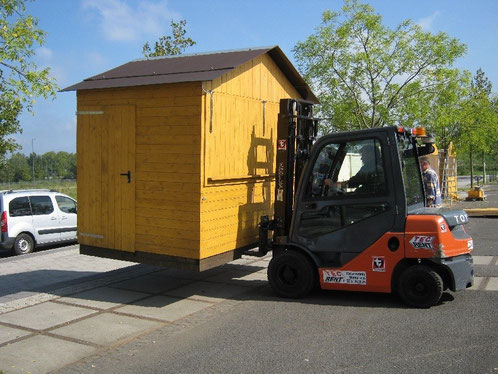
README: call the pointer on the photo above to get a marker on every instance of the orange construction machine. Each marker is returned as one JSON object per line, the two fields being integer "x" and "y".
{"x": 350, "y": 215}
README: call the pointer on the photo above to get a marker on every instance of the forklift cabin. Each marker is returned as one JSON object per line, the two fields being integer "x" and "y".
{"x": 350, "y": 212}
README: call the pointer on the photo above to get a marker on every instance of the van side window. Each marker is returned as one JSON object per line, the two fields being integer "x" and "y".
{"x": 65, "y": 204}
{"x": 19, "y": 207}
{"x": 41, "y": 205}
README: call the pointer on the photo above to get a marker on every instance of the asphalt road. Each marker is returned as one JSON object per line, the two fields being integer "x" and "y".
{"x": 328, "y": 332}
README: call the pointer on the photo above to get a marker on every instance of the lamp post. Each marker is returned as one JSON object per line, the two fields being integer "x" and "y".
{"x": 33, "y": 151}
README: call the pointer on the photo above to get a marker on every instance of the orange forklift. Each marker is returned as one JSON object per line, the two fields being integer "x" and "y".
{"x": 350, "y": 214}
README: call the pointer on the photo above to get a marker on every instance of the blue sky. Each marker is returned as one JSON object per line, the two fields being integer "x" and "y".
{"x": 87, "y": 37}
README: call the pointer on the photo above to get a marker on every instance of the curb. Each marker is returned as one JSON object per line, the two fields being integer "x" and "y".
{"x": 482, "y": 212}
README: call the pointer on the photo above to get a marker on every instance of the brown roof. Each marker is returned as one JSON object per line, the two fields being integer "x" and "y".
{"x": 190, "y": 68}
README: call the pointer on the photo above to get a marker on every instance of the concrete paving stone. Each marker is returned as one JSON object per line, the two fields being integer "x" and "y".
{"x": 211, "y": 292}
{"x": 152, "y": 283}
{"x": 482, "y": 260}
{"x": 241, "y": 278}
{"x": 492, "y": 284}
{"x": 261, "y": 263}
{"x": 242, "y": 261}
{"x": 8, "y": 333}
{"x": 103, "y": 297}
{"x": 45, "y": 315}
{"x": 41, "y": 354}
{"x": 477, "y": 283}
{"x": 106, "y": 328}
{"x": 164, "y": 308}
{"x": 187, "y": 274}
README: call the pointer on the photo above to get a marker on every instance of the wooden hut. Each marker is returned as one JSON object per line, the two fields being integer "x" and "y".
{"x": 176, "y": 155}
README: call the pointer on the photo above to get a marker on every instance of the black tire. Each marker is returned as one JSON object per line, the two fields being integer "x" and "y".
{"x": 24, "y": 244}
{"x": 292, "y": 274}
{"x": 420, "y": 286}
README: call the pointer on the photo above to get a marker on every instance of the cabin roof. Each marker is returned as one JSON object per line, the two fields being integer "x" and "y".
{"x": 190, "y": 68}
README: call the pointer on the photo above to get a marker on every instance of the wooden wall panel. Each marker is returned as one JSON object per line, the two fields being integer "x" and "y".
{"x": 204, "y": 164}
{"x": 239, "y": 153}
{"x": 167, "y": 161}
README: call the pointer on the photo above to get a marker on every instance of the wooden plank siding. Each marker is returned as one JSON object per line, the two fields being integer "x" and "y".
{"x": 202, "y": 162}
{"x": 166, "y": 164}
{"x": 239, "y": 153}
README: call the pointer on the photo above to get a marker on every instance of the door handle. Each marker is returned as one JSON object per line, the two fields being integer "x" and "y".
{"x": 127, "y": 175}
{"x": 310, "y": 206}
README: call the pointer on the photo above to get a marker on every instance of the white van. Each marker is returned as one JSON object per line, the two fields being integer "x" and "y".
{"x": 31, "y": 218}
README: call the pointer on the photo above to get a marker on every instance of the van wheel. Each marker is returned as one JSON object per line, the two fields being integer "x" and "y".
{"x": 420, "y": 286}
{"x": 24, "y": 244}
{"x": 291, "y": 274}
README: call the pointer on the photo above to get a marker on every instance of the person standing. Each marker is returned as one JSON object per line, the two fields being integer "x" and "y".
{"x": 431, "y": 184}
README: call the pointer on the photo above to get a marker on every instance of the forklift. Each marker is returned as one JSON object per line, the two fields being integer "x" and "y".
{"x": 350, "y": 214}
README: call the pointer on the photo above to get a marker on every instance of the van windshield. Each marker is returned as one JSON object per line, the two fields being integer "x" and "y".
{"x": 412, "y": 177}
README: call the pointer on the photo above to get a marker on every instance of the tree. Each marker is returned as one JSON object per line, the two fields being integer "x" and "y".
{"x": 479, "y": 129}
{"x": 20, "y": 79}
{"x": 446, "y": 109}
{"x": 368, "y": 75}
{"x": 170, "y": 45}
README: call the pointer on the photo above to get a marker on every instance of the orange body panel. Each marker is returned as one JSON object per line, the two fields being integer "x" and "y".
{"x": 429, "y": 236}
{"x": 370, "y": 271}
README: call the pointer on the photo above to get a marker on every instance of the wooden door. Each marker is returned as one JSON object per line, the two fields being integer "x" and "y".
{"x": 106, "y": 177}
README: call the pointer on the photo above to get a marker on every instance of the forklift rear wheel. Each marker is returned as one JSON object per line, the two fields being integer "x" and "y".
{"x": 420, "y": 286}
{"x": 291, "y": 274}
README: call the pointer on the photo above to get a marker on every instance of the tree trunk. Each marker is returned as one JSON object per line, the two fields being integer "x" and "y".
{"x": 483, "y": 168}
{"x": 471, "y": 169}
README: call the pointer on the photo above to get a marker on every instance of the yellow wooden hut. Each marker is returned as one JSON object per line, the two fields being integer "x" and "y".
{"x": 176, "y": 155}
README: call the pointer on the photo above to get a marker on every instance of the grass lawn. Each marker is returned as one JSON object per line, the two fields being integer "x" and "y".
{"x": 65, "y": 186}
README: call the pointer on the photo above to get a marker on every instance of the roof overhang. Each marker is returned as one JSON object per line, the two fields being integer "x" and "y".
{"x": 190, "y": 68}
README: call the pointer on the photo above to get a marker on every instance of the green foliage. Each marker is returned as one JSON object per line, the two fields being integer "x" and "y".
{"x": 367, "y": 75}
{"x": 20, "y": 79}
{"x": 170, "y": 45}
{"x": 479, "y": 130}
{"x": 49, "y": 166}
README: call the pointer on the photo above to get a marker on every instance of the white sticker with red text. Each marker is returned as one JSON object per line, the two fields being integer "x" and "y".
{"x": 422, "y": 242}
{"x": 345, "y": 277}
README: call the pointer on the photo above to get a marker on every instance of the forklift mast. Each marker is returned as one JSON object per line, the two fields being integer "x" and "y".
{"x": 296, "y": 132}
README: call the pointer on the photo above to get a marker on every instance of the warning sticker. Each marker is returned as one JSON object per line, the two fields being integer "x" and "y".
{"x": 282, "y": 145}
{"x": 379, "y": 264}
{"x": 422, "y": 242}
{"x": 345, "y": 277}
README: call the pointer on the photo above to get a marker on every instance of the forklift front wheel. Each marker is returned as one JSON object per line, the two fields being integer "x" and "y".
{"x": 420, "y": 286}
{"x": 291, "y": 274}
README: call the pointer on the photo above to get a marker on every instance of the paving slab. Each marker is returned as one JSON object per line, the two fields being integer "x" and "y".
{"x": 206, "y": 291}
{"x": 163, "y": 308}
{"x": 241, "y": 278}
{"x": 482, "y": 260}
{"x": 492, "y": 284}
{"x": 45, "y": 315}
{"x": 477, "y": 283}
{"x": 152, "y": 283}
{"x": 106, "y": 328}
{"x": 40, "y": 354}
{"x": 103, "y": 297}
{"x": 186, "y": 274}
{"x": 8, "y": 333}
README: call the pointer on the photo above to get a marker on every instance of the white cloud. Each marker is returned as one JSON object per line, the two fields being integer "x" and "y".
{"x": 97, "y": 60}
{"x": 427, "y": 22}
{"x": 45, "y": 54}
{"x": 130, "y": 21}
